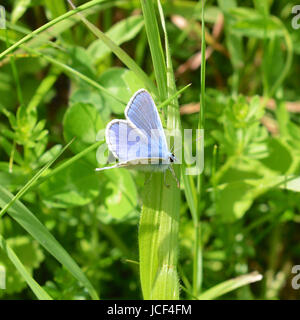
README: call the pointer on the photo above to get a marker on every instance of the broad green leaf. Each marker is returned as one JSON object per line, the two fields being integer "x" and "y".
{"x": 12, "y": 180}
{"x": 280, "y": 158}
{"x": 132, "y": 81}
{"x": 120, "y": 193}
{"x": 81, "y": 61}
{"x": 121, "y": 32}
{"x": 234, "y": 200}
{"x": 114, "y": 80}
{"x": 239, "y": 172}
{"x": 250, "y": 23}
{"x": 77, "y": 185}
{"x": 65, "y": 164}
{"x": 83, "y": 122}
{"x": 93, "y": 97}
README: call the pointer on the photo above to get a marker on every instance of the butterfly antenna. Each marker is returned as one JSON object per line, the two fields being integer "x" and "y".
{"x": 165, "y": 180}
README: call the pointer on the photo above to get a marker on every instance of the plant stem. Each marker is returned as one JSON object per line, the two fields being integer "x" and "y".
{"x": 197, "y": 264}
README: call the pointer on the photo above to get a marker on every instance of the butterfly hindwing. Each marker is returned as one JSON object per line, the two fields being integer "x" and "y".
{"x": 126, "y": 142}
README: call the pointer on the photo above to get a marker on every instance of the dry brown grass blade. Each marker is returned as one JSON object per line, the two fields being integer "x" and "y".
{"x": 271, "y": 125}
{"x": 194, "y": 62}
{"x": 291, "y": 106}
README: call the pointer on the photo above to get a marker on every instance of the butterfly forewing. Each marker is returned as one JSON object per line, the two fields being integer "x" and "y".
{"x": 142, "y": 112}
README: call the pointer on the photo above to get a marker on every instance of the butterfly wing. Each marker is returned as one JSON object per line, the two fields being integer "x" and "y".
{"x": 142, "y": 113}
{"x": 141, "y": 139}
{"x": 130, "y": 145}
{"x": 126, "y": 142}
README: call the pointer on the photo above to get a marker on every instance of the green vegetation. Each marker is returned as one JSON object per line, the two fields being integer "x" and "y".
{"x": 69, "y": 232}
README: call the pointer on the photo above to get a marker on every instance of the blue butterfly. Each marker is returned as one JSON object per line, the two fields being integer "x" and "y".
{"x": 139, "y": 142}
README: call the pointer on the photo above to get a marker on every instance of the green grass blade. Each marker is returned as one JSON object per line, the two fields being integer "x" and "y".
{"x": 31, "y": 182}
{"x": 33, "y": 226}
{"x": 229, "y": 285}
{"x": 158, "y": 231}
{"x": 68, "y": 162}
{"x": 40, "y": 293}
{"x": 48, "y": 25}
{"x": 175, "y": 95}
{"x": 190, "y": 189}
{"x": 43, "y": 89}
{"x": 288, "y": 60}
{"x": 197, "y": 263}
{"x": 37, "y": 230}
{"x": 71, "y": 71}
{"x": 202, "y": 72}
{"x": 74, "y": 72}
{"x": 119, "y": 52}
{"x": 15, "y": 74}
{"x": 157, "y": 54}
{"x": 60, "y": 27}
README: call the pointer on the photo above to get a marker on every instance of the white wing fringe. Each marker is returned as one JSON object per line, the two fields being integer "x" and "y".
{"x": 106, "y": 168}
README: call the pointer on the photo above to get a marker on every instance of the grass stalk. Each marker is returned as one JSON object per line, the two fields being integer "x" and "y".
{"x": 33, "y": 226}
{"x": 48, "y": 25}
{"x": 159, "y": 222}
{"x": 29, "y": 184}
{"x": 197, "y": 262}
{"x": 40, "y": 293}
{"x": 118, "y": 51}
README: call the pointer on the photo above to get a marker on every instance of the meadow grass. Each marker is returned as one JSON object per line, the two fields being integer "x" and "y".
{"x": 199, "y": 241}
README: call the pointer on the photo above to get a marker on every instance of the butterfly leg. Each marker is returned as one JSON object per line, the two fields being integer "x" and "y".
{"x": 174, "y": 175}
{"x": 165, "y": 182}
{"x": 148, "y": 180}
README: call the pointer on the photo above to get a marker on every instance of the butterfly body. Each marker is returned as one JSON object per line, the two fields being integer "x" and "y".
{"x": 156, "y": 165}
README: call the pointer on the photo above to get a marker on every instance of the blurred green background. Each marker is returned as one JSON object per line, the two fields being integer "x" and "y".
{"x": 250, "y": 200}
